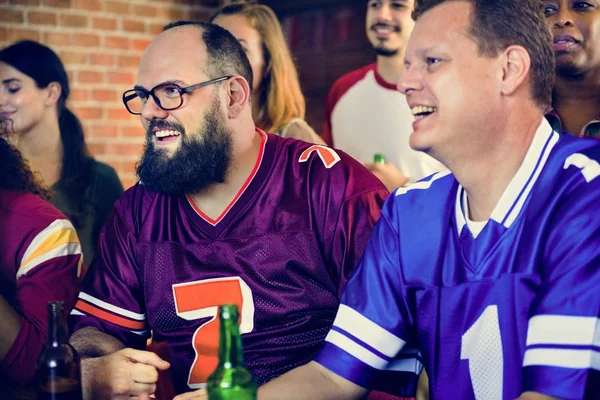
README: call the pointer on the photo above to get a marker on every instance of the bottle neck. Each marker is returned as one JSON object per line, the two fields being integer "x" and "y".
{"x": 57, "y": 325}
{"x": 230, "y": 346}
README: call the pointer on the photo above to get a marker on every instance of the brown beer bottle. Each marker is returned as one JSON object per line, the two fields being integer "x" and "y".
{"x": 58, "y": 372}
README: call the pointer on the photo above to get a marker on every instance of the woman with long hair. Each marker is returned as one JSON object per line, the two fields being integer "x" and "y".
{"x": 35, "y": 89}
{"x": 278, "y": 105}
{"x": 40, "y": 261}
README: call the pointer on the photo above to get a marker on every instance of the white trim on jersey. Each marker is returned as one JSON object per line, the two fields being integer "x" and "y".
{"x": 356, "y": 350}
{"x": 563, "y": 358}
{"x": 107, "y": 306}
{"x": 367, "y": 331}
{"x": 563, "y": 330}
{"x": 511, "y": 202}
{"x": 422, "y": 185}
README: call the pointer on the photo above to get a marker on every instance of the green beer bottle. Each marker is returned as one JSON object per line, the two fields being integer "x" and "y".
{"x": 231, "y": 380}
{"x": 379, "y": 158}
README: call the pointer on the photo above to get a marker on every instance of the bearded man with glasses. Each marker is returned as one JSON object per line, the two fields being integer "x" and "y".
{"x": 223, "y": 213}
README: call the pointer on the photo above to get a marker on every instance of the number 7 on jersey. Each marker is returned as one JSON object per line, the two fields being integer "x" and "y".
{"x": 200, "y": 299}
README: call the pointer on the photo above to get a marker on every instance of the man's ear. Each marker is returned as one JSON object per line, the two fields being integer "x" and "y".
{"x": 53, "y": 92}
{"x": 238, "y": 96}
{"x": 516, "y": 68}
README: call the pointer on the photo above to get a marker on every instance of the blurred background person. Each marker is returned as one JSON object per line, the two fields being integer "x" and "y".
{"x": 40, "y": 261}
{"x": 278, "y": 105}
{"x": 365, "y": 113}
{"x": 35, "y": 89}
{"x": 575, "y": 27}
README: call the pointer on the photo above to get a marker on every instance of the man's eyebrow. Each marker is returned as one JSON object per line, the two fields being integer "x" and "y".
{"x": 9, "y": 80}
{"x": 172, "y": 82}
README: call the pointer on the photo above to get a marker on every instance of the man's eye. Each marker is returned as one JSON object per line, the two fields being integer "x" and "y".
{"x": 581, "y": 5}
{"x": 432, "y": 60}
{"x": 374, "y": 4}
{"x": 171, "y": 91}
{"x": 13, "y": 90}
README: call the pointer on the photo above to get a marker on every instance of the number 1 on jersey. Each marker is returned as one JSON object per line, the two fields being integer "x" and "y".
{"x": 200, "y": 299}
{"x": 482, "y": 347}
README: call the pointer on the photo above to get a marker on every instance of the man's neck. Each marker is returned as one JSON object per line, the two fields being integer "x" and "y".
{"x": 576, "y": 99}
{"x": 216, "y": 198}
{"x": 391, "y": 68}
{"x": 486, "y": 172}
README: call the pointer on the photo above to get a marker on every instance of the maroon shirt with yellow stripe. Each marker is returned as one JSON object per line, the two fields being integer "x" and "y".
{"x": 40, "y": 261}
{"x": 282, "y": 251}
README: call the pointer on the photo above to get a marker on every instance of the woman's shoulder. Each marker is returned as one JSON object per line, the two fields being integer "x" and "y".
{"x": 298, "y": 128}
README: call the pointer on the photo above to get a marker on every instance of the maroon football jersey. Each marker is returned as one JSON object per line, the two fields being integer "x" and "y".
{"x": 282, "y": 251}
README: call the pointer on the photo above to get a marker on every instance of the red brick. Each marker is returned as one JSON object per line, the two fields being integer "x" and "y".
{"x": 87, "y": 5}
{"x": 140, "y": 44}
{"x": 41, "y": 18}
{"x": 97, "y": 149}
{"x": 103, "y": 131}
{"x": 10, "y": 15}
{"x": 128, "y": 182}
{"x": 19, "y": 34}
{"x": 155, "y": 28}
{"x": 76, "y": 21}
{"x": 79, "y": 95}
{"x": 107, "y": 24}
{"x": 124, "y": 149}
{"x": 25, "y": 2}
{"x": 132, "y": 131}
{"x": 130, "y": 25}
{"x": 128, "y": 166}
{"x": 88, "y": 113}
{"x": 145, "y": 11}
{"x": 120, "y": 114}
{"x": 117, "y": 7}
{"x": 173, "y": 14}
{"x": 90, "y": 77}
{"x": 86, "y": 40}
{"x": 73, "y": 57}
{"x": 105, "y": 95}
{"x": 57, "y": 38}
{"x": 3, "y": 34}
{"x": 121, "y": 78}
{"x": 129, "y": 61}
{"x": 100, "y": 59}
{"x": 58, "y": 3}
{"x": 116, "y": 42}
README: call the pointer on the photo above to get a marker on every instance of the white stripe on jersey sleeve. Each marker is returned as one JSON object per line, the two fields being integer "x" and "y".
{"x": 356, "y": 350}
{"x": 144, "y": 332}
{"x": 60, "y": 251}
{"x": 368, "y": 331}
{"x": 563, "y": 358}
{"x": 563, "y": 330}
{"x": 110, "y": 307}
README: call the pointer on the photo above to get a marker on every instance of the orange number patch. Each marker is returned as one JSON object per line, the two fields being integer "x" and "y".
{"x": 200, "y": 299}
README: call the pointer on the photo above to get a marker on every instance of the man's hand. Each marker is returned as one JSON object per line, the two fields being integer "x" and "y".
{"x": 387, "y": 173}
{"x": 200, "y": 394}
{"x": 122, "y": 374}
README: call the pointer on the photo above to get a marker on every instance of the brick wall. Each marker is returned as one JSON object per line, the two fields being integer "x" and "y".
{"x": 100, "y": 43}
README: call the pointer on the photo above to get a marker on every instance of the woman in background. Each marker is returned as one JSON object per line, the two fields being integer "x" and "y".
{"x": 34, "y": 93}
{"x": 278, "y": 105}
{"x": 575, "y": 28}
{"x": 40, "y": 261}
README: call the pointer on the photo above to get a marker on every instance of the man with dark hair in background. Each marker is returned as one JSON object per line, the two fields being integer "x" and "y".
{"x": 223, "y": 213}
{"x": 487, "y": 273}
{"x": 365, "y": 114}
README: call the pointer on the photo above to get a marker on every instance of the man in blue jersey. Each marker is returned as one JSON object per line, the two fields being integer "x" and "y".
{"x": 488, "y": 273}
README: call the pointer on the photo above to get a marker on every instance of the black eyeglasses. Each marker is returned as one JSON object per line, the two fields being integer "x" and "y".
{"x": 167, "y": 96}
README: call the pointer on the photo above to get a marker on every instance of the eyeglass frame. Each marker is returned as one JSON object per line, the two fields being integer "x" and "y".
{"x": 128, "y": 97}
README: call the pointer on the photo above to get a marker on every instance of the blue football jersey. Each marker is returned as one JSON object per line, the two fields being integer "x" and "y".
{"x": 513, "y": 309}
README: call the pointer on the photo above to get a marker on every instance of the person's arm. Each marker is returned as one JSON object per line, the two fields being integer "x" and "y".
{"x": 564, "y": 324}
{"x": 311, "y": 381}
{"x": 51, "y": 253}
{"x": 388, "y": 174}
{"x": 536, "y": 396}
{"x": 110, "y": 324}
{"x": 9, "y": 328}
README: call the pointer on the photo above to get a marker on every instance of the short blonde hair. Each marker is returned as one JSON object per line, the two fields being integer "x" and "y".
{"x": 279, "y": 97}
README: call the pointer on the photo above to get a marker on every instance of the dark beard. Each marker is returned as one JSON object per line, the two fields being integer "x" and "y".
{"x": 382, "y": 51}
{"x": 199, "y": 162}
